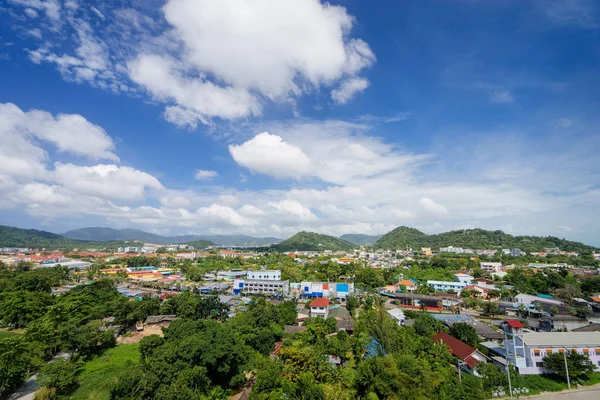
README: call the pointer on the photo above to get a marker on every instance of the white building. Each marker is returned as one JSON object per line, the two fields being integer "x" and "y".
{"x": 262, "y": 282}
{"x": 491, "y": 266}
{"x": 450, "y": 249}
{"x": 319, "y": 308}
{"x": 69, "y": 264}
{"x": 526, "y": 350}
{"x": 460, "y": 281}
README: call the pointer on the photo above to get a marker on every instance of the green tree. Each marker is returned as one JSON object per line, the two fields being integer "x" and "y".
{"x": 465, "y": 333}
{"x": 17, "y": 360}
{"x": 60, "y": 375}
{"x": 579, "y": 365}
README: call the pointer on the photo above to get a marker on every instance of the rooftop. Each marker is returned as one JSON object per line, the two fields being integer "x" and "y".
{"x": 562, "y": 339}
{"x": 458, "y": 348}
{"x": 322, "y": 302}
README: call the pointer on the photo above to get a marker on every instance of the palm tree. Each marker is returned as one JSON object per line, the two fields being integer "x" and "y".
{"x": 423, "y": 307}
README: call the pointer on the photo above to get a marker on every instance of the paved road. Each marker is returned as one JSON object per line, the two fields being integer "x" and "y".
{"x": 586, "y": 393}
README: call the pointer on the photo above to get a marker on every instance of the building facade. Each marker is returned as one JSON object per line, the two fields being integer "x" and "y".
{"x": 526, "y": 350}
{"x": 262, "y": 282}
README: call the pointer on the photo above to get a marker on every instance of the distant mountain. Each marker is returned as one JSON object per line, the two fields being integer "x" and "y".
{"x": 16, "y": 237}
{"x": 360, "y": 239}
{"x": 403, "y": 237}
{"x": 307, "y": 241}
{"x": 105, "y": 234}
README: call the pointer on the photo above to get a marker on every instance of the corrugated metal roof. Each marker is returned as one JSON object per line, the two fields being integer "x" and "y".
{"x": 562, "y": 339}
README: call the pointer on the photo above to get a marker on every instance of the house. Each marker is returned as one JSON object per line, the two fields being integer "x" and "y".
{"x": 470, "y": 356}
{"x": 561, "y": 322}
{"x": 160, "y": 320}
{"x": 481, "y": 291}
{"x": 491, "y": 266}
{"x": 410, "y": 285}
{"x": 319, "y": 308}
{"x": 526, "y": 350}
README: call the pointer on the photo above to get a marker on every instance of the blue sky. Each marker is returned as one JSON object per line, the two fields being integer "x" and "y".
{"x": 270, "y": 117}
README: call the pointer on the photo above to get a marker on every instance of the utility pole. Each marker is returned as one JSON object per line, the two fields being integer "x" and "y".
{"x": 459, "y": 370}
{"x": 509, "y": 382}
{"x": 567, "y": 368}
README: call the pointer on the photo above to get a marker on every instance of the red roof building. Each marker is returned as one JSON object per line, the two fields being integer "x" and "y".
{"x": 322, "y": 302}
{"x": 470, "y": 355}
{"x": 514, "y": 323}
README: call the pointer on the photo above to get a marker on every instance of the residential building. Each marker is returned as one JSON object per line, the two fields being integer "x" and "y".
{"x": 319, "y": 308}
{"x": 464, "y": 278}
{"x": 450, "y": 249}
{"x": 409, "y": 284}
{"x": 329, "y": 290}
{"x": 470, "y": 356}
{"x": 526, "y": 350}
{"x": 262, "y": 282}
{"x": 491, "y": 266}
{"x": 445, "y": 285}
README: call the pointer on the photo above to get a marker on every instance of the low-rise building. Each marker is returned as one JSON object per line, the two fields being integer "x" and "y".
{"x": 322, "y": 289}
{"x": 262, "y": 282}
{"x": 470, "y": 356}
{"x": 491, "y": 266}
{"x": 526, "y": 350}
{"x": 319, "y": 308}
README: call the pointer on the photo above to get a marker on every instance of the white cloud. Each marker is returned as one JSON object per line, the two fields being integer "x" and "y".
{"x": 106, "y": 181}
{"x": 431, "y": 207}
{"x": 203, "y": 174}
{"x": 21, "y": 132}
{"x": 501, "y": 97}
{"x": 50, "y": 7}
{"x": 348, "y": 89}
{"x": 208, "y": 59}
{"x": 270, "y": 154}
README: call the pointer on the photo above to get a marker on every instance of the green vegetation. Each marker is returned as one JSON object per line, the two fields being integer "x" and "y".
{"x": 8, "y": 334}
{"x": 97, "y": 376}
{"x": 200, "y": 244}
{"x": 360, "y": 239}
{"x": 579, "y": 365}
{"x": 310, "y": 241}
{"x": 33, "y": 238}
{"x": 402, "y": 237}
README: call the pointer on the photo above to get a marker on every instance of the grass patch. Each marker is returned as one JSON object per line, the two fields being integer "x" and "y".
{"x": 98, "y": 375}
{"x": 551, "y": 382}
{"x": 6, "y": 334}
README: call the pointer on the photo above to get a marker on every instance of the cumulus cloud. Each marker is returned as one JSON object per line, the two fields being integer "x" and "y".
{"x": 106, "y": 181}
{"x": 270, "y": 154}
{"x": 203, "y": 174}
{"x": 70, "y": 133}
{"x": 206, "y": 59}
{"x": 348, "y": 89}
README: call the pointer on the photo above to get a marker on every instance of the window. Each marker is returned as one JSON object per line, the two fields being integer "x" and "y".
{"x": 539, "y": 364}
{"x": 536, "y": 353}
{"x": 548, "y": 351}
{"x": 586, "y": 351}
{"x": 561, "y": 350}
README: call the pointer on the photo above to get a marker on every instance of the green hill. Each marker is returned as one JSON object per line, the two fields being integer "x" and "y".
{"x": 310, "y": 241}
{"x": 33, "y": 238}
{"x": 402, "y": 237}
{"x": 360, "y": 239}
